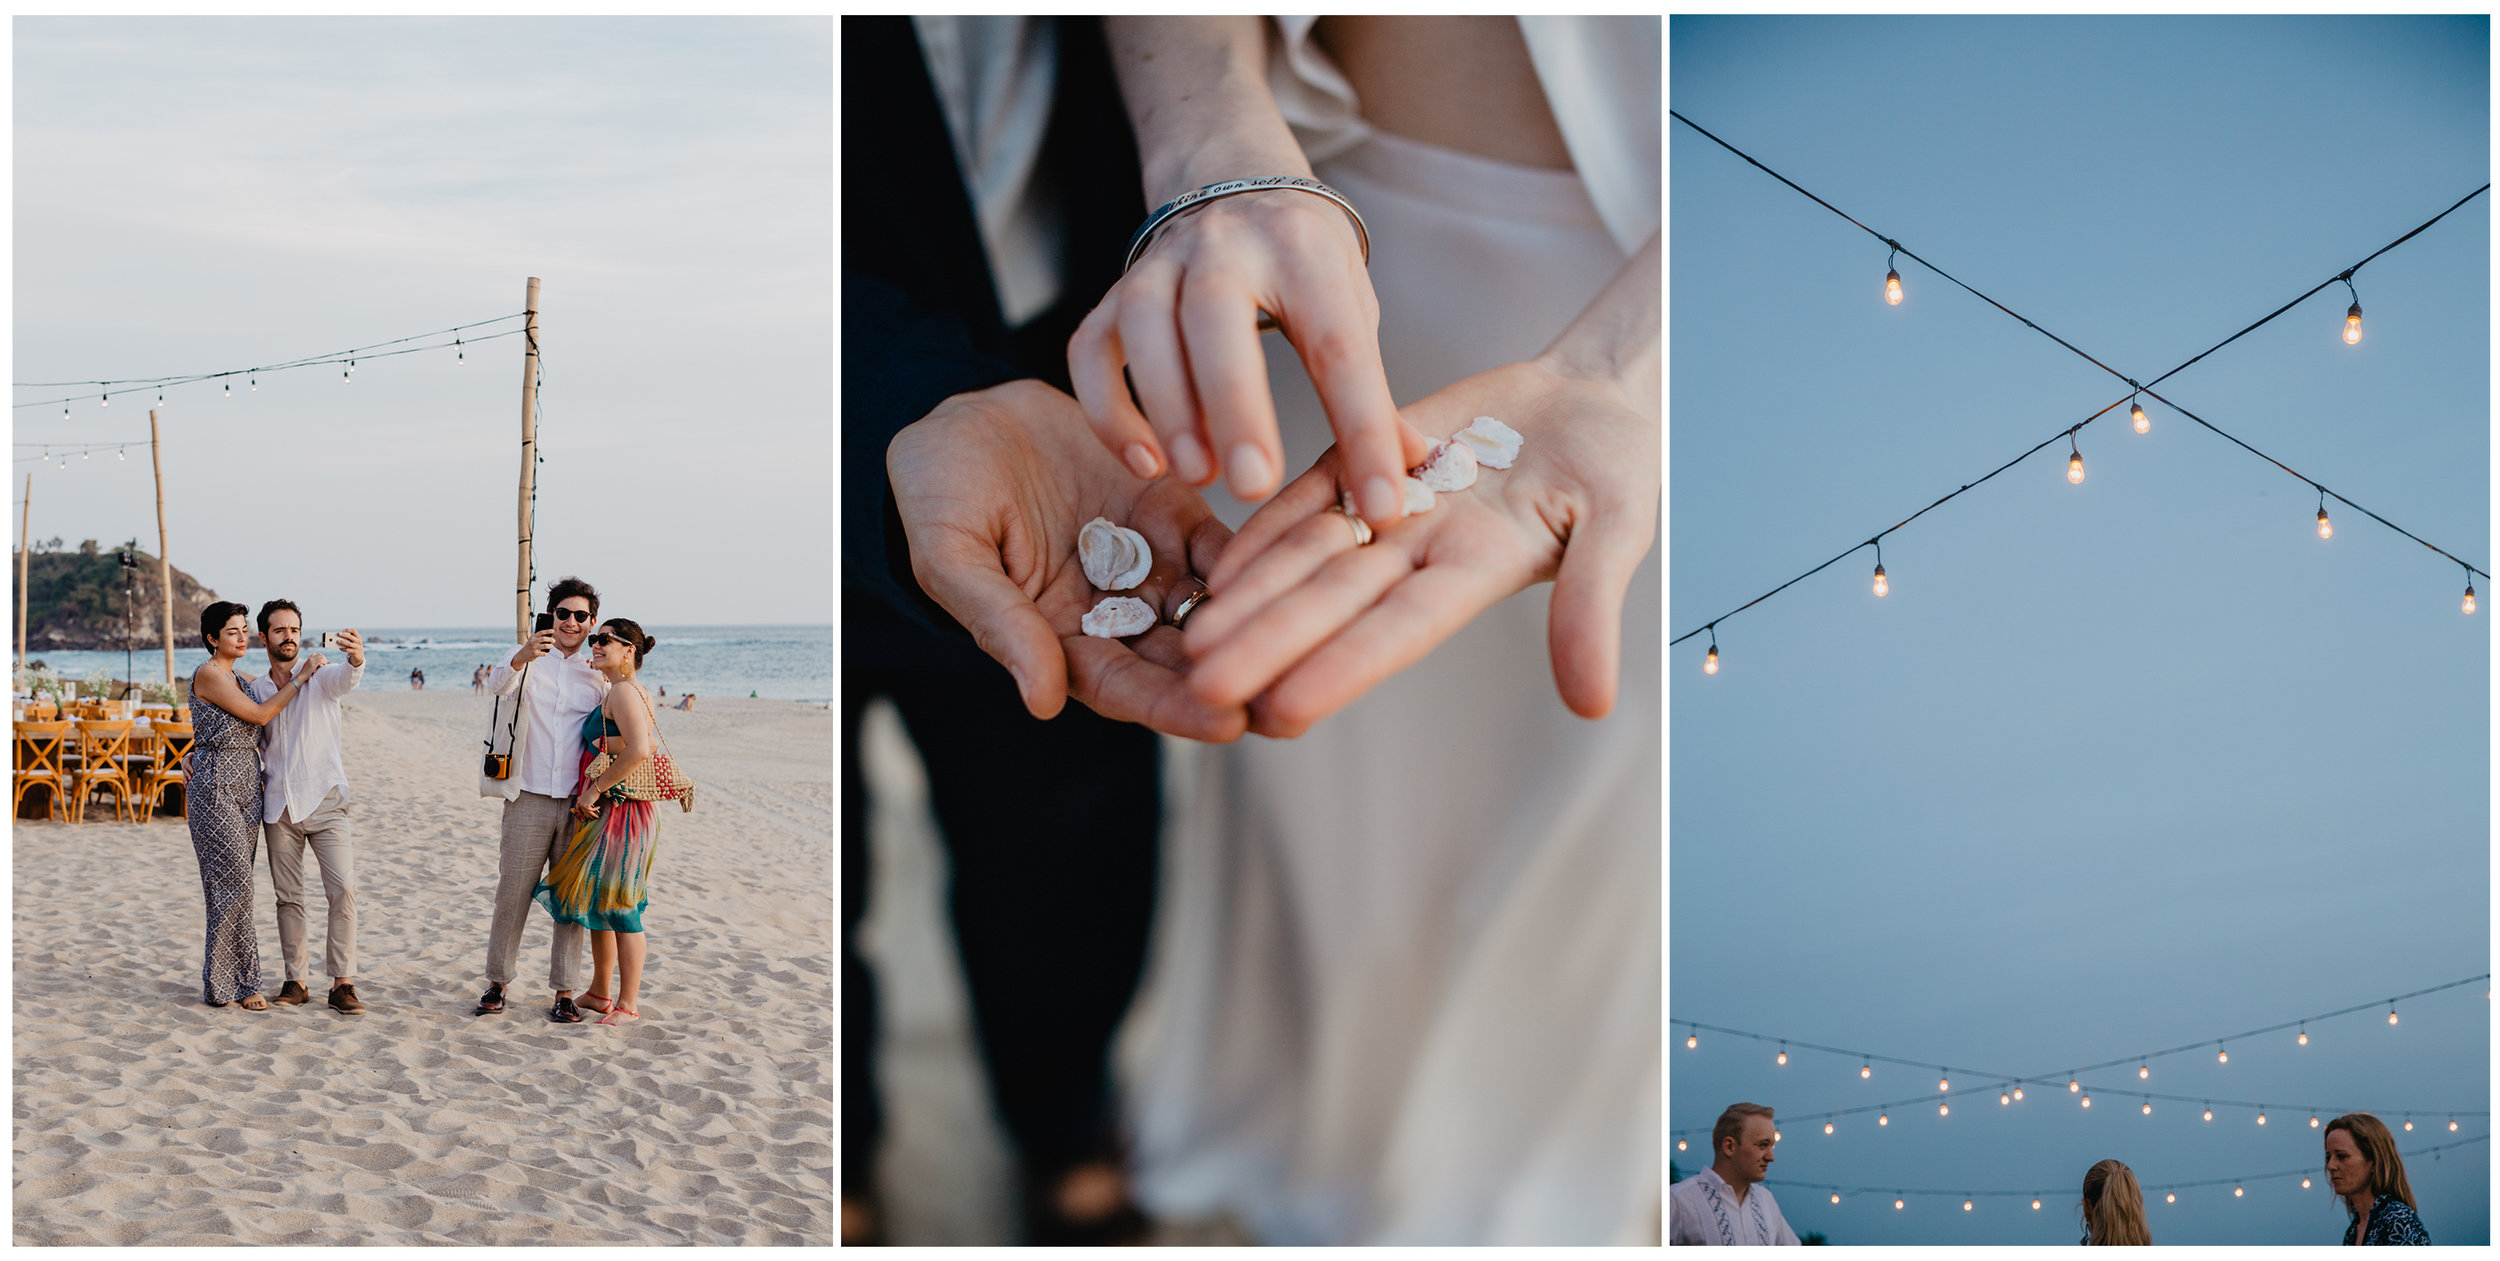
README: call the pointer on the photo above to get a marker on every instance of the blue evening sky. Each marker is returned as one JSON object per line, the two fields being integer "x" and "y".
{"x": 197, "y": 194}
{"x": 2115, "y": 766}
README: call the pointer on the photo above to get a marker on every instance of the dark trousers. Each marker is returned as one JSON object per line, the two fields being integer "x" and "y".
{"x": 1050, "y": 834}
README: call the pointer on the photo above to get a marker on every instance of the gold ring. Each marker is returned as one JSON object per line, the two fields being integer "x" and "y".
{"x": 1362, "y": 530}
{"x": 1195, "y": 599}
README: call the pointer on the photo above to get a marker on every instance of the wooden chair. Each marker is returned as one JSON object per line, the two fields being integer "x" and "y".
{"x": 38, "y": 764}
{"x": 173, "y": 742}
{"x": 102, "y": 746}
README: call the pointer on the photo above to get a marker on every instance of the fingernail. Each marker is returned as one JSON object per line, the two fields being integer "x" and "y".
{"x": 1250, "y": 472}
{"x": 1190, "y": 459}
{"x": 1380, "y": 500}
{"x": 1141, "y": 461}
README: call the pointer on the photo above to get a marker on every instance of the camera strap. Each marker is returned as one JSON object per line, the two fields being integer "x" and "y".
{"x": 511, "y": 731}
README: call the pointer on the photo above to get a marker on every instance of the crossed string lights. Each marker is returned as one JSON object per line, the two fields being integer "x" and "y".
{"x": 42, "y": 452}
{"x": 2137, "y": 390}
{"x": 2009, "y": 1088}
{"x": 458, "y": 344}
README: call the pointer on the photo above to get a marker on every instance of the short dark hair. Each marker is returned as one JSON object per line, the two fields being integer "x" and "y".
{"x": 1731, "y": 1126}
{"x": 631, "y": 632}
{"x": 214, "y": 618}
{"x": 568, "y": 587}
{"x": 275, "y": 605}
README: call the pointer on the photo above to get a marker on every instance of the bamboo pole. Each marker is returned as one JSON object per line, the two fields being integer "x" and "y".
{"x": 25, "y": 546}
{"x": 164, "y": 557}
{"x": 529, "y": 460}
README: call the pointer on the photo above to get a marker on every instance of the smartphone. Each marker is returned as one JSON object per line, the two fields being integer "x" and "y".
{"x": 545, "y": 622}
{"x": 329, "y": 639}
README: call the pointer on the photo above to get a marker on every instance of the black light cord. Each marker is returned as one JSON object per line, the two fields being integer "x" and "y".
{"x": 339, "y": 356}
{"x": 2045, "y": 1193}
{"x": 2344, "y": 276}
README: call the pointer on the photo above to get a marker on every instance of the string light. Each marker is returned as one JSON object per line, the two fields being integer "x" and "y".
{"x": 2072, "y": 1086}
{"x": 2313, "y": 1123}
{"x": 1883, "y": 1118}
{"x": 2391, "y": 1011}
{"x": 2018, "y": 1094}
{"x": 2148, "y": 1109}
{"x": 2304, "y": 1033}
{"x": 2352, "y": 318}
{"x": 2074, "y": 461}
{"x": 105, "y": 401}
{"x": 2087, "y": 1101}
{"x": 1835, "y": 1197}
{"x": 2074, "y": 472}
{"x": 2452, "y": 1127}
{"x": 1691, "y": 1040}
{"x": 2222, "y": 1054}
{"x": 2469, "y": 591}
{"x": 1783, "y": 1060}
{"x": 2237, "y": 1192}
{"x": 255, "y": 381}
{"x": 2304, "y": 1184}
{"x": 1881, "y": 586}
{"x": 2143, "y": 423}
{"x": 2035, "y": 1206}
{"x": 1865, "y": 1071}
{"x": 1965, "y": 1206}
{"x": 1680, "y": 1145}
{"x": 1943, "y": 1110}
{"x": 1710, "y": 664}
{"x": 2004, "y": 1100}
{"x": 2143, "y": 1072}
{"x": 2171, "y": 1198}
{"x": 1896, "y": 1204}
{"x": 229, "y": 388}
{"x": 1892, "y": 281}
{"x": 2408, "y": 1127}
{"x": 1944, "y": 1084}
{"x": 2326, "y": 530}
{"x": 1827, "y": 1127}
{"x": 2209, "y": 1111}
{"x": 2261, "y": 1116}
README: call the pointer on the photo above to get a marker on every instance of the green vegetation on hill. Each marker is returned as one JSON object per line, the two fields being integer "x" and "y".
{"x": 76, "y": 599}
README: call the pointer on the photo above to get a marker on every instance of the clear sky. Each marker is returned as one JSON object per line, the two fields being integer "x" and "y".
{"x": 2117, "y": 765}
{"x": 202, "y": 194}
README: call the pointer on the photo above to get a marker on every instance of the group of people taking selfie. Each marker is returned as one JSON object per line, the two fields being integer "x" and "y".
{"x": 573, "y": 728}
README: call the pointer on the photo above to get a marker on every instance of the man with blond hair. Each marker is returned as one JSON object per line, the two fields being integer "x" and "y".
{"x": 1725, "y": 1203}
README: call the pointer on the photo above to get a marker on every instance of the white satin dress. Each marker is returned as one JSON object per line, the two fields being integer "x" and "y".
{"x": 1406, "y": 981}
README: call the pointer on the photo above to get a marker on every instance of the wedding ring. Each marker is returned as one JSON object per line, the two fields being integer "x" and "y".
{"x": 1181, "y": 614}
{"x": 1362, "y": 531}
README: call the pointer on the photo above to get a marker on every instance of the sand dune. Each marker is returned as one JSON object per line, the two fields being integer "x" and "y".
{"x": 144, "y": 1117}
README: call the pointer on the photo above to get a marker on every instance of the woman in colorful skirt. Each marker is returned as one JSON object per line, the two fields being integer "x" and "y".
{"x": 599, "y": 881}
{"x": 223, "y": 783}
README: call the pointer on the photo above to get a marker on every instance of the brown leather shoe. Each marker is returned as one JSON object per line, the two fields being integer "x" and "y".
{"x": 293, "y": 994}
{"x": 343, "y": 1000}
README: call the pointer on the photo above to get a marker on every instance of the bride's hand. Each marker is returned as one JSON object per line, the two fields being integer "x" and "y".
{"x": 1306, "y": 622}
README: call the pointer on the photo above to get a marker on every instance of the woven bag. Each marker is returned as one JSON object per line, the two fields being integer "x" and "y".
{"x": 657, "y": 779}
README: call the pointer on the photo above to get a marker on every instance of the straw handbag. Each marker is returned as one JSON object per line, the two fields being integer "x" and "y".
{"x": 657, "y": 779}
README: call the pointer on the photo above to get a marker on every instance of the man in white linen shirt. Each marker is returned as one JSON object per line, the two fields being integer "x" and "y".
{"x": 1726, "y": 1203}
{"x": 555, "y": 687}
{"x": 304, "y": 800}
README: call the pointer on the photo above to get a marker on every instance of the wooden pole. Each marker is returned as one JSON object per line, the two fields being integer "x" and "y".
{"x": 164, "y": 558}
{"x": 529, "y": 459}
{"x": 25, "y": 545}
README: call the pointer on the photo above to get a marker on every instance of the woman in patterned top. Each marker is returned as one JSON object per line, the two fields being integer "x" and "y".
{"x": 601, "y": 880}
{"x": 223, "y": 783}
{"x": 2366, "y": 1173}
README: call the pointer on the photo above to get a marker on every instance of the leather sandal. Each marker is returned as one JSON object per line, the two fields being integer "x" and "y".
{"x": 491, "y": 1001}
{"x": 252, "y": 1002}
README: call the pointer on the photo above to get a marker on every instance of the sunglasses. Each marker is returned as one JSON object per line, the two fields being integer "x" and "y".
{"x": 603, "y": 639}
{"x": 572, "y": 615}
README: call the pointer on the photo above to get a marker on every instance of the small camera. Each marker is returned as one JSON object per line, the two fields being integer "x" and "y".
{"x": 498, "y": 765}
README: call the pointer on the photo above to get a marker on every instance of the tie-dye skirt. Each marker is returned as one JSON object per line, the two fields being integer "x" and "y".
{"x": 601, "y": 881}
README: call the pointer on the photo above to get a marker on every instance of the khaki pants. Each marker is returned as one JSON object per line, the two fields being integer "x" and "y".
{"x": 325, "y": 829}
{"x": 535, "y": 828}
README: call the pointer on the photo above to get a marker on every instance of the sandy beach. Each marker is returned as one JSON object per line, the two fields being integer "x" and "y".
{"x": 145, "y": 1117}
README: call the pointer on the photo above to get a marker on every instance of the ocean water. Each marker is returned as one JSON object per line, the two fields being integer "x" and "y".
{"x": 790, "y": 663}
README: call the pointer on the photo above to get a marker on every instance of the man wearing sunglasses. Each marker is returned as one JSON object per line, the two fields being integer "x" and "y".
{"x": 555, "y": 686}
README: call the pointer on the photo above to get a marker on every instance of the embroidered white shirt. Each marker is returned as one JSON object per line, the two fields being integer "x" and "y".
{"x": 1703, "y": 1210}
{"x": 300, "y": 747}
{"x": 559, "y": 693}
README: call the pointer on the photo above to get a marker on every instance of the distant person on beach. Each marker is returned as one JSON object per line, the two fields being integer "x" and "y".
{"x": 304, "y": 801}
{"x": 416, "y": 680}
{"x": 224, "y": 783}
{"x": 556, "y": 688}
{"x": 1726, "y": 1204}
{"x": 2113, "y": 1206}
{"x": 2366, "y": 1173}
{"x": 686, "y": 701}
{"x": 477, "y": 678}
{"x": 601, "y": 880}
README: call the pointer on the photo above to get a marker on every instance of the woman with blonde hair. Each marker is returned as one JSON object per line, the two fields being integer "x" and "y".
{"x": 2113, "y": 1206}
{"x": 2369, "y": 1177}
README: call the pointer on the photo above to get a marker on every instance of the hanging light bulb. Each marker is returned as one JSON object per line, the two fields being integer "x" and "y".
{"x": 255, "y": 380}
{"x": 121, "y": 453}
{"x": 1691, "y": 1041}
{"x": 1880, "y": 585}
{"x": 2087, "y": 1101}
{"x": 1883, "y": 1118}
{"x": 2074, "y": 462}
{"x": 460, "y": 354}
{"x": 2221, "y": 1056}
{"x": 2352, "y": 325}
{"x": 2035, "y": 1206}
{"x": 1865, "y": 1071}
{"x": 2326, "y": 529}
{"x": 2261, "y": 1117}
{"x": 64, "y": 413}
{"x": 2313, "y": 1123}
{"x": 2171, "y": 1198}
{"x": 1943, "y": 1110}
{"x": 2144, "y": 1072}
{"x": 82, "y": 456}
{"x": 2237, "y": 1192}
{"x": 2018, "y": 1094}
{"x": 2304, "y": 1035}
{"x": 2073, "y": 1086}
{"x": 1783, "y": 1059}
{"x": 1710, "y": 664}
{"x": 1892, "y": 287}
{"x": 1896, "y": 1202}
{"x": 160, "y": 398}
{"x": 2004, "y": 1100}
{"x": 1965, "y": 1206}
{"x": 2408, "y": 1127}
{"x": 2209, "y": 1112}
{"x": 2469, "y": 595}
{"x": 1827, "y": 1127}
{"x": 1835, "y": 1197}
{"x": 2143, "y": 423}
{"x": 2452, "y": 1127}
{"x": 2148, "y": 1109}
{"x": 1680, "y": 1145}
{"x": 2304, "y": 1184}
{"x": 106, "y": 400}
{"x": 1943, "y": 1084}
{"x": 2391, "y": 1011}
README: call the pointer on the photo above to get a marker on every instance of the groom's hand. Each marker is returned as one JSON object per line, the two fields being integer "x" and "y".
{"x": 992, "y": 488}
